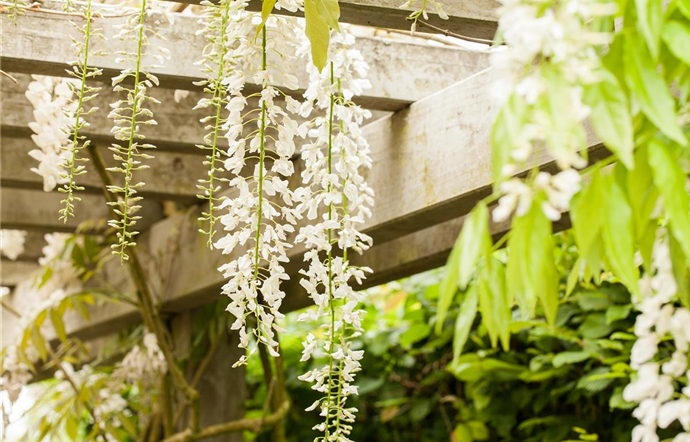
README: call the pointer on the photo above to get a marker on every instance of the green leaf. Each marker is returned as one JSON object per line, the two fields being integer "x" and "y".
{"x": 650, "y": 91}
{"x": 266, "y": 9}
{"x": 415, "y": 333}
{"x": 494, "y": 304}
{"x": 594, "y": 326}
{"x": 504, "y": 135}
{"x": 670, "y": 180}
{"x": 643, "y": 199}
{"x": 71, "y": 427}
{"x": 618, "y": 235}
{"x": 58, "y": 324}
{"x": 330, "y": 12}
{"x": 464, "y": 321}
{"x": 317, "y": 31}
{"x": 681, "y": 272}
{"x": 449, "y": 285}
{"x": 649, "y": 22}
{"x": 38, "y": 341}
{"x": 676, "y": 35}
{"x": 475, "y": 241}
{"x": 587, "y": 213}
{"x": 611, "y": 116}
{"x": 570, "y": 357}
{"x": 617, "y": 312}
{"x": 684, "y": 7}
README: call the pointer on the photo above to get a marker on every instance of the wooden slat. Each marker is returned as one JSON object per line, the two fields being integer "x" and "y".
{"x": 401, "y": 73}
{"x": 472, "y": 18}
{"x": 15, "y": 272}
{"x": 432, "y": 163}
{"x": 38, "y": 210}
{"x": 172, "y": 176}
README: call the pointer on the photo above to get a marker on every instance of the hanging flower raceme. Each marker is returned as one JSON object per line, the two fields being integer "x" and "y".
{"x": 143, "y": 362}
{"x": 338, "y": 197}
{"x": 549, "y": 59}
{"x": 12, "y": 243}
{"x": 128, "y": 115}
{"x": 54, "y": 109}
{"x": 259, "y": 214}
{"x": 84, "y": 92}
{"x": 217, "y": 64}
{"x": 653, "y": 389}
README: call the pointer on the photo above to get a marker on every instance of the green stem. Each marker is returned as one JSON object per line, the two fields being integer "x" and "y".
{"x": 132, "y": 131}
{"x": 218, "y": 100}
{"x": 262, "y": 153}
{"x": 75, "y": 139}
{"x": 330, "y": 262}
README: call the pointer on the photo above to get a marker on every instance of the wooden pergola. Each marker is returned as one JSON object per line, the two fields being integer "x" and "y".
{"x": 433, "y": 112}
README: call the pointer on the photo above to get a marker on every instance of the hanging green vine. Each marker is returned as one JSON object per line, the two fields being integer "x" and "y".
{"x": 216, "y": 65}
{"x": 128, "y": 115}
{"x": 84, "y": 93}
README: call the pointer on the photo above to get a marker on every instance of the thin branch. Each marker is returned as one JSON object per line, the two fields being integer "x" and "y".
{"x": 449, "y": 33}
{"x": 232, "y": 426}
{"x": 36, "y": 7}
{"x": 148, "y": 310}
{"x": 10, "y": 308}
{"x": 9, "y": 76}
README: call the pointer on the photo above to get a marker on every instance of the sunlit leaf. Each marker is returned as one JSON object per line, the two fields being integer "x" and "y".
{"x": 464, "y": 321}
{"x": 611, "y": 116}
{"x": 618, "y": 234}
{"x": 676, "y": 35}
{"x": 317, "y": 32}
{"x": 651, "y": 91}
{"x": 670, "y": 179}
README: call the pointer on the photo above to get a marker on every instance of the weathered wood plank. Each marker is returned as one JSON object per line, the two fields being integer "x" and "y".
{"x": 473, "y": 18}
{"x": 401, "y": 73}
{"x": 15, "y": 272}
{"x": 432, "y": 163}
{"x": 172, "y": 176}
{"x": 38, "y": 210}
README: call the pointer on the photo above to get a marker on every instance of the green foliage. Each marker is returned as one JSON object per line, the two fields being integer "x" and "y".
{"x": 321, "y": 16}
{"x": 555, "y": 383}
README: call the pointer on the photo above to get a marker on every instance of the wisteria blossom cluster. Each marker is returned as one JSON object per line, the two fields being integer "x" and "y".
{"x": 54, "y": 109}
{"x": 131, "y": 113}
{"x": 143, "y": 362}
{"x": 550, "y": 55}
{"x": 653, "y": 389}
{"x": 339, "y": 200}
{"x": 260, "y": 214}
{"x": 44, "y": 294}
{"x": 81, "y": 71}
{"x": 12, "y": 243}
{"x": 557, "y": 190}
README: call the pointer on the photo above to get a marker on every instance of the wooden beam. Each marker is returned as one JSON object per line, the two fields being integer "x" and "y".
{"x": 472, "y": 18}
{"x": 401, "y": 73}
{"x": 38, "y": 210}
{"x": 172, "y": 176}
{"x": 432, "y": 163}
{"x": 15, "y": 272}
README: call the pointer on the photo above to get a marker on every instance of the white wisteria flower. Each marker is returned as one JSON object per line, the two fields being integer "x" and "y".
{"x": 337, "y": 200}
{"x": 53, "y": 112}
{"x": 258, "y": 217}
{"x": 12, "y": 243}
{"x": 143, "y": 362}
{"x": 658, "y": 318}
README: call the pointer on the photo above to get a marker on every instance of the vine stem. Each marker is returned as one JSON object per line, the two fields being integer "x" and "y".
{"x": 262, "y": 154}
{"x": 149, "y": 313}
{"x": 75, "y": 139}
{"x": 218, "y": 100}
{"x": 331, "y": 300}
{"x": 132, "y": 131}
